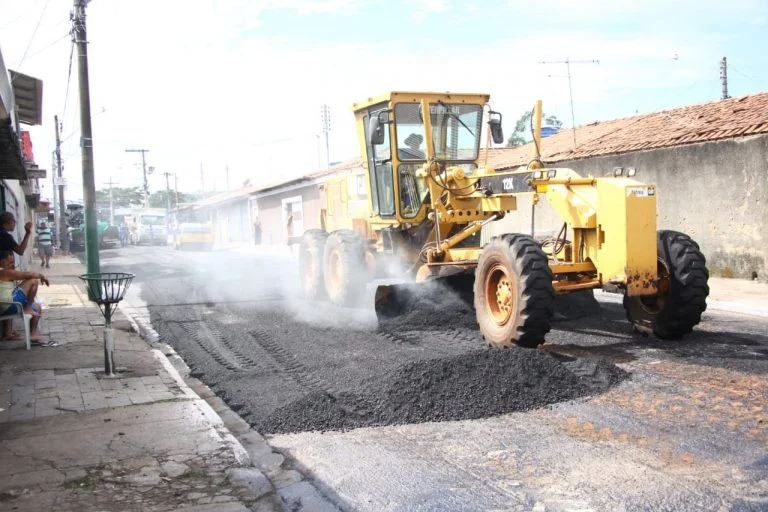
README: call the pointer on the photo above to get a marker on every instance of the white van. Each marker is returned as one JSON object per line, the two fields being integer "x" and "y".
{"x": 148, "y": 227}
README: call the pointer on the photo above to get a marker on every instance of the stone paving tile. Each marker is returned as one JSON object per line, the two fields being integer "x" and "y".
{"x": 140, "y": 398}
{"x": 111, "y": 384}
{"x": 21, "y": 412}
{"x": 71, "y": 405}
{"x": 47, "y": 407}
{"x": 41, "y": 375}
{"x": 163, "y": 395}
{"x": 46, "y": 393}
{"x": 94, "y": 400}
{"x": 45, "y": 384}
{"x": 118, "y": 401}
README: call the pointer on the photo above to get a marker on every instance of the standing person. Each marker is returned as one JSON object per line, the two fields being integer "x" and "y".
{"x": 45, "y": 245}
{"x": 257, "y": 232}
{"x": 24, "y": 293}
{"x": 7, "y": 242}
{"x": 123, "y": 235}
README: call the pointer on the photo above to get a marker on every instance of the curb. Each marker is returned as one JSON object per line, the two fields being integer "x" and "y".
{"x": 288, "y": 488}
{"x": 715, "y": 305}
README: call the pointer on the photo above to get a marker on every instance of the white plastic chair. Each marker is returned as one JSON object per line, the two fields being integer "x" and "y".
{"x": 27, "y": 318}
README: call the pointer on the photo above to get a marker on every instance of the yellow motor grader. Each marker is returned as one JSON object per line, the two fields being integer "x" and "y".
{"x": 428, "y": 198}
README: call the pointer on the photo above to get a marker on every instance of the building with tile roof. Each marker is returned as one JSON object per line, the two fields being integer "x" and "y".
{"x": 709, "y": 162}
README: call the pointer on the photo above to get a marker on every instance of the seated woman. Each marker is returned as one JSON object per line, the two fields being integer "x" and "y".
{"x": 25, "y": 293}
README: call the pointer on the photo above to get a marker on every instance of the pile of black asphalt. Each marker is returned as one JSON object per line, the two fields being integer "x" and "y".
{"x": 478, "y": 384}
{"x": 290, "y": 365}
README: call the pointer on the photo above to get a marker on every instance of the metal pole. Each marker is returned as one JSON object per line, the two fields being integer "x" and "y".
{"x": 202, "y": 181}
{"x": 570, "y": 93}
{"x": 111, "y": 204}
{"x": 724, "y": 78}
{"x": 144, "y": 170}
{"x": 226, "y": 170}
{"x": 55, "y": 204}
{"x": 167, "y": 198}
{"x": 86, "y": 140}
{"x": 62, "y": 221}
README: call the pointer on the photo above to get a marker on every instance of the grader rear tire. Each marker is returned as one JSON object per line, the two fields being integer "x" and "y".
{"x": 683, "y": 290}
{"x": 514, "y": 298}
{"x": 344, "y": 267}
{"x": 311, "y": 251}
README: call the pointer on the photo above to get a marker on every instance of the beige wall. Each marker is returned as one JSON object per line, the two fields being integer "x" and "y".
{"x": 272, "y": 217}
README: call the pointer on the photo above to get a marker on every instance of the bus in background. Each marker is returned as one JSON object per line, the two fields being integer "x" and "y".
{"x": 192, "y": 230}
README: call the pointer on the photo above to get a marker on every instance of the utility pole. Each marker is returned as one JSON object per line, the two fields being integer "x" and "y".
{"x": 202, "y": 181}
{"x": 61, "y": 225}
{"x": 111, "y": 202}
{"x": 168, "y": 192}
{"x": 86, "y": 138}
{"x": 568, "y": 63}
{"x": 724, "y": 78}
{"x": 144, "y": 169}
{"x": 325, "y": 124}
{"x": 168, "y": 204}
{"x": 176, "y": 188}
{"x": 226, "y": 170}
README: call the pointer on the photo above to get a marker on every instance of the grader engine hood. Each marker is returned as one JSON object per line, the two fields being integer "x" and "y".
{"x": 626, "y": 220}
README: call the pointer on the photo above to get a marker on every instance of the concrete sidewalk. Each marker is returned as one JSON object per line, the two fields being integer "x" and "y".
{"x": 731, "y": 295}
{"x": 73, "y": 439}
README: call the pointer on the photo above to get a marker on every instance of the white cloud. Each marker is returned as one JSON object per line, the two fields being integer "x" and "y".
{"x": 421, "y": 9}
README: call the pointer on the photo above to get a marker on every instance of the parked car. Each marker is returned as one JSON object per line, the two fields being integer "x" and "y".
{"x": 108, "y": 236}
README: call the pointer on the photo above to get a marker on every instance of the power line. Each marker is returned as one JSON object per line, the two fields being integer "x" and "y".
{"x": 41, "y": 50}
{"x": 69, "y": 77}
{"x": 34, "y": 33}
{"x": 18, "y": 17}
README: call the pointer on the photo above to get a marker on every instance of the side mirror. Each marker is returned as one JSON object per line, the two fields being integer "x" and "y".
{"x": 376, "y": 129}
{"x": 494, "y": 122}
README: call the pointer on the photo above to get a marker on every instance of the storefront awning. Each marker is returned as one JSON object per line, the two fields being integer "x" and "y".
{"x": 11, "y": 162}
{"x": 28, "y": 92}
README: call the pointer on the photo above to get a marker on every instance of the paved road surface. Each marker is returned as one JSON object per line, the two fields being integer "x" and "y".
{"x": 688, "y": 430}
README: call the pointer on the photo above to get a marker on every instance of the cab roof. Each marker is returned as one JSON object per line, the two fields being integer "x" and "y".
{"x": 406, "y": 96}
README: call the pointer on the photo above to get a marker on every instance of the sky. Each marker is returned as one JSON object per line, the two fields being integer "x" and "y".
{"x": 235, "y": 86}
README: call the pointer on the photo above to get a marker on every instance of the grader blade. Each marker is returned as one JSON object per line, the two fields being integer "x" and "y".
{"x": 392, "y": 300}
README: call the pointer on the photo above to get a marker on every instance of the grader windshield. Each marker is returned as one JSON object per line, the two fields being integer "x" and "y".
{"x": 455, "y": 131}
{"x": 455, "y": 137}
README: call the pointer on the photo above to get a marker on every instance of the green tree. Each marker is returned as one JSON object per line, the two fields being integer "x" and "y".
{"x": 522, "y": 133}
{"x": 157, "y": 199}
{"x": 123, "y": 197}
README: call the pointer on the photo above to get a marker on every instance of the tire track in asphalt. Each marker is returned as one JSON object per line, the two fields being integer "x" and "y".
{"x": 211, "y": 349}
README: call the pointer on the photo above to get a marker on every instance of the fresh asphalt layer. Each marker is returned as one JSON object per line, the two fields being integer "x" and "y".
{"x": 416, "y": 414}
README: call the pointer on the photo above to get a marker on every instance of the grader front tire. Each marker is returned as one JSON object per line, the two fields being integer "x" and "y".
{"x": 344, "y": 269}
{"x": 514, "y": 298}
{"x": 311, "y": 251}
{"x": 683, "y": 290}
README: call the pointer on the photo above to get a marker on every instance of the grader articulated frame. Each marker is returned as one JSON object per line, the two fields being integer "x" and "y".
{"x": 427, "y": 206}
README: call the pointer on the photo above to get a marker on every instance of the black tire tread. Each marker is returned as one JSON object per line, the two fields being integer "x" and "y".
{"x": 687, "y": 299}
{"x": 353, "y": 251}
{"x": 314, "y": 240}
{"x": 536, "y": 293}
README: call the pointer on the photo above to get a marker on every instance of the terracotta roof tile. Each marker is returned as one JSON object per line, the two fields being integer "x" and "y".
{"x": 734, "y": 117}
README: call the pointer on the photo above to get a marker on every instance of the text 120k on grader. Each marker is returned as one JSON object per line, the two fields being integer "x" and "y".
{"x": 426, "y": 206}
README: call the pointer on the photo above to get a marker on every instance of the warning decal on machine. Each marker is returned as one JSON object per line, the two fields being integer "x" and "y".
{"x": 644, "y": 191}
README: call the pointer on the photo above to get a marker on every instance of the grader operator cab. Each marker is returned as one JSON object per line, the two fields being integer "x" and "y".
{"x": 429, "y": 197}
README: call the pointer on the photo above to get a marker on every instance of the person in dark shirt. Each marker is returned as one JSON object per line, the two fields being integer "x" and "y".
{"x": 7, "y": 242}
